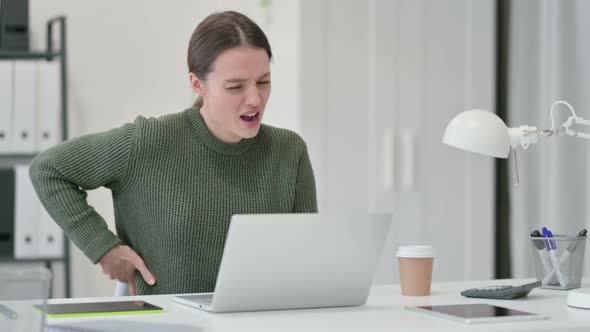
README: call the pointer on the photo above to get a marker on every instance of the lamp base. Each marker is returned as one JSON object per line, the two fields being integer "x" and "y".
{"x": 579, "y": 298}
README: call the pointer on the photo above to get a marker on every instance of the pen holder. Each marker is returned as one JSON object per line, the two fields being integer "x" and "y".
{"x": 559, "y": 261}
{"x": 19, "y": 291}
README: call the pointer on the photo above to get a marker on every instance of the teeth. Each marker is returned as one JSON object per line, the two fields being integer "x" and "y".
{"x": 249, "y": 117}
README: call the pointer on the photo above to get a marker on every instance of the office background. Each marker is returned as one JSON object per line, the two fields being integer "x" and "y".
{"x": 371, "y": 86}
{"x": 129, "y": 59}
{"x": 549, "y": 61}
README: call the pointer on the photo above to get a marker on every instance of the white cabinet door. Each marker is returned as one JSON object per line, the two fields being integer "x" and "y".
{"x": 380, "y": 80}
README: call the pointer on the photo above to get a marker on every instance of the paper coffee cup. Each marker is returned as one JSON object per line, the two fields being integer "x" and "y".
{"x": 415, "y": 269}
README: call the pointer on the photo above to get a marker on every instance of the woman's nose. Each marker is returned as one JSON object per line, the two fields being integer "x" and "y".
{"x": 254, "y": 99}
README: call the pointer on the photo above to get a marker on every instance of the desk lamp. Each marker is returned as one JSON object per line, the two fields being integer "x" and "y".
{"x": 485, "y": 133}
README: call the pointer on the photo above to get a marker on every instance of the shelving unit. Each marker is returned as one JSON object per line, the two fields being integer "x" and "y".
{"x": 50, "y": 53}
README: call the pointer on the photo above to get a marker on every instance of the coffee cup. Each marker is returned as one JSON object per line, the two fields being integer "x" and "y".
{"x": 415, "y": 269}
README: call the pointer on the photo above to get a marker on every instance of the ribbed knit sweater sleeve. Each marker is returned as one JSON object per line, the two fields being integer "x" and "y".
{"x": 62, "y": 175}
{"x": 305, "y": 191}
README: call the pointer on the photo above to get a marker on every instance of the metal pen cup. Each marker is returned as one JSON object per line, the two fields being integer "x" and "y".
{"x": 559, "y": 260}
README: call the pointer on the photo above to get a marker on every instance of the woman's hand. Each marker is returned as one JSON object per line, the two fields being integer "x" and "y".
{"x": 120, "y": 264}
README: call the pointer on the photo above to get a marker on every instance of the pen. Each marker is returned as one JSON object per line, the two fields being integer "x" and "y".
{"x": 7, "y": 312}
{"x": 570, "y": 249}
{"x": 551, "y": 246}
{"x": 544, "y": 258}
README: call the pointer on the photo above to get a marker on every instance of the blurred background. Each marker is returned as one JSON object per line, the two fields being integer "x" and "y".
{"x": 371, "y": 86}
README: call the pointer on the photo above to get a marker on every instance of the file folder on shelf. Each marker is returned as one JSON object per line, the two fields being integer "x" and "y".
{"x": 51, "y": 238}
{"x": 6, "y": 100}
{"x": 36, "y": 235}
{"x": 49, "y": 105}
{"x": 6, "y": 213}
{"x": 25, "y": 95}
{"x": 26, "y": 215}
{"x": 32, "y": 119}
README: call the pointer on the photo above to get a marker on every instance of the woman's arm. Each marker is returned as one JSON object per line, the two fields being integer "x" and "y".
{"x": 62, "y": 174}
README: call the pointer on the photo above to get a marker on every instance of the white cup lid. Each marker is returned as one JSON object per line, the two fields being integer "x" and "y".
{"x": 415, "y": 251}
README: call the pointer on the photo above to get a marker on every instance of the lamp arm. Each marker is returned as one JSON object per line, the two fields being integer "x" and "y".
{"x": 524, "y": 136}
{"x": 565, "y": 128}
{"x": 574, "y": 120}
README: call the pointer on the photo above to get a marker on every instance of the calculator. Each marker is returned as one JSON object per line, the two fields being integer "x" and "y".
{"x": 503, "y": 292}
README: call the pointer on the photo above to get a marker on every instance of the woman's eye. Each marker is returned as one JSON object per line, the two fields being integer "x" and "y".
{"x": 234, "y": 87}
{"x": 263, "y": 82}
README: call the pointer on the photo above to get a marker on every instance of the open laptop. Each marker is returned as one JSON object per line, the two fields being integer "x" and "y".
{"x": 288, "y": 261}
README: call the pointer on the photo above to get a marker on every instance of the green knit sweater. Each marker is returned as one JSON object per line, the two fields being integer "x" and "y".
{"x": 175, "y": 187}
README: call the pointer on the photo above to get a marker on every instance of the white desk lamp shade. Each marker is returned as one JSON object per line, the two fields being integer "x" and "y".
{"x": 479, "y": 131}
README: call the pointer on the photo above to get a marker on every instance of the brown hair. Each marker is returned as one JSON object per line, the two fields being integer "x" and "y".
{"x": 217, "y": 33}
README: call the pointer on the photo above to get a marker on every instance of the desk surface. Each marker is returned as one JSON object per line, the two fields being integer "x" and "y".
{"x": 383, "y": 312}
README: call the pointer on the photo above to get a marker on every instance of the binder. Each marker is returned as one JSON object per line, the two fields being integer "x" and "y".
{"x": 25, "y": 93}
{"x": 26, "y": 215}
{"x": 6, "y": 100}
{"x": 51, "y": 241}
{"x": 14, "y": 25}
{"x": 6, "y": 213}
{"x": 48, "y": 129}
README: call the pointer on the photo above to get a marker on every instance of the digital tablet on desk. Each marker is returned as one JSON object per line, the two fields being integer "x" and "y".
{"x": 99, "y": 309}
{"x": 477, "y": 313}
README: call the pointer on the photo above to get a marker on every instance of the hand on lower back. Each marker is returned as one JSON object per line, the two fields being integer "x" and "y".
{"x": 121, "y": 262}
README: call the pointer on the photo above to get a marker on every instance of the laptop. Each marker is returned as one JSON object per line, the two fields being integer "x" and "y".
{"x": 291, "y": 261}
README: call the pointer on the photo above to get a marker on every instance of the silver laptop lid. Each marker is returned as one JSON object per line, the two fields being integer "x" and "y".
{"x": 281, "y": 261}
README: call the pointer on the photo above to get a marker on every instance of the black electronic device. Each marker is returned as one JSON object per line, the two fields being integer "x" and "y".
{"x": 64, "y": 310}
{"x": 14, "y": 25}
{"x": 502, "y": 292}
{"x": 474, "y": 313}
{"x": 7, "y": 213}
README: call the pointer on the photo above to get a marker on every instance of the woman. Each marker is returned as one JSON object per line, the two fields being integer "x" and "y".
{"x": 177, "y": 180}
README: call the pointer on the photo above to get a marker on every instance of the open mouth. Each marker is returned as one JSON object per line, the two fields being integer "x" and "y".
{"x": 250, "y": 117}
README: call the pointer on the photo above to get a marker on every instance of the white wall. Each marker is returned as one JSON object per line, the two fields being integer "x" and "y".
{"x": 128, "y": 58}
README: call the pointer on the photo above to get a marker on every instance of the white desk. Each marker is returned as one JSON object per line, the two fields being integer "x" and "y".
{"x": 383, "y": 312}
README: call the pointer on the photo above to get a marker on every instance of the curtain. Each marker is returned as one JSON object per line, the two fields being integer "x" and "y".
{"x": 548, "y": 60}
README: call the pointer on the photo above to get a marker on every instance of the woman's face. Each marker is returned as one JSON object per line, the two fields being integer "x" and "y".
{"x": 235, "y": 93}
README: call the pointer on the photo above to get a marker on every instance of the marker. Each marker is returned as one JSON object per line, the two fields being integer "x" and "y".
{"x": 551, "y": 246}
{"x": 572, "y": 247}
{"x": 7, "y": 312}
{"x": 544, "y": 258}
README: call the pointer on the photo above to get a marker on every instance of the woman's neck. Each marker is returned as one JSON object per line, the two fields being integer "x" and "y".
{"x": 217, "y": 128}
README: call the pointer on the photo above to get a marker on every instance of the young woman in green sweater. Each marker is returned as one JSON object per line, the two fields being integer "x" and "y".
{"x": 176, "y": 180}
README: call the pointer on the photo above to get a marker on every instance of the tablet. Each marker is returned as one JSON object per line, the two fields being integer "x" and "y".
{"x": 98, "y": 309}
{"x": 477, "y": 313}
